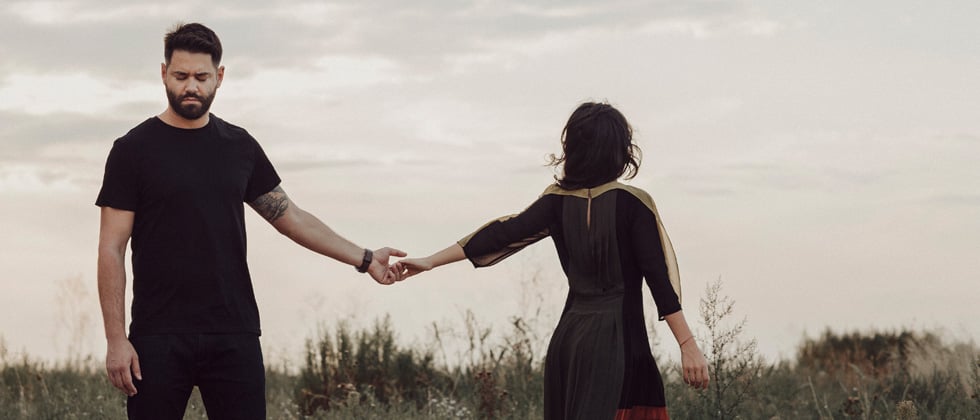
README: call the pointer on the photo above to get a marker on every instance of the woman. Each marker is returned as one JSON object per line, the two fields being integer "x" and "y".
{"x": 609, "y": 237}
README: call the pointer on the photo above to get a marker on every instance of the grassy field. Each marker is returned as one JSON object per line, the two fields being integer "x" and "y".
{"x": 365, "y": 374}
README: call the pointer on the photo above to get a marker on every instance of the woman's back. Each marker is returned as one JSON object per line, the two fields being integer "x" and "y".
{"x": 608, "y": 240}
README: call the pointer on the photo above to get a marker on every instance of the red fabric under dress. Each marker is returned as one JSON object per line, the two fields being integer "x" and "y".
{"x": 642, "y": 413}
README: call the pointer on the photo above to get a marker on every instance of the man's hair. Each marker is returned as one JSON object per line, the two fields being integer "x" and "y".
{"x": 192, "y": 37}
{"x": 597, "y": 147}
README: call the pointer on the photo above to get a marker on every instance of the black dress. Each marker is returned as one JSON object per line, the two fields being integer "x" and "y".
{"x": 608, "y": 239}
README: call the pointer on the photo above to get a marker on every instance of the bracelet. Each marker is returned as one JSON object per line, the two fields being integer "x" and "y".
{"x": 685, "y": 341}
{"x": 366, "y": 262}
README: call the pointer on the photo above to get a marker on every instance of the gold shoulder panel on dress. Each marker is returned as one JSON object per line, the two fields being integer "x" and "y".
{"x": 584, "y": 192}
{"x": 669, "y": 257}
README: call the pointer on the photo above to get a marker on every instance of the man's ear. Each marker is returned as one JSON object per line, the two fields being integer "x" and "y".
{"x": 163, "y": 72}
{"x": 220, "y": 75}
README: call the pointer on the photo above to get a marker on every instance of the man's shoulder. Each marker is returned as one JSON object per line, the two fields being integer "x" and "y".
{"x": 137, "y": 134}
{"x": 229, "y": 130}
{"x": 148, "y": 125}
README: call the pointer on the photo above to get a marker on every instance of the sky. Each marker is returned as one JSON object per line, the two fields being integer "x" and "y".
{"x": 816, "y": 158}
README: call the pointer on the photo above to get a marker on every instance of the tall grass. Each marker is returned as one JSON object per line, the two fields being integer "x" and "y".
{"x": 366, "y": 373}
{"x": 734, "y": 363}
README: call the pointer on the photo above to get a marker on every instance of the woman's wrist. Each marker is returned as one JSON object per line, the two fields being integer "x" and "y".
{"x": 688, "y": 340}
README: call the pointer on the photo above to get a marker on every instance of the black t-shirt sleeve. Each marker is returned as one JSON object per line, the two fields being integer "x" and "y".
{"x": 120, "y": 189}
{"x": 650, "y": 257}
{"x": 263, "y": 178}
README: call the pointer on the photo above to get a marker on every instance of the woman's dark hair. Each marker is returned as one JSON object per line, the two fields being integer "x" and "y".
{"x": 597, "y": 147}
{"x": 192, "y": 37}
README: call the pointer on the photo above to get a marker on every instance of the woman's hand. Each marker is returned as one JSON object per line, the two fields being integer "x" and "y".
{"x": 411, "y": 266}
{"x": 694, "y": 365}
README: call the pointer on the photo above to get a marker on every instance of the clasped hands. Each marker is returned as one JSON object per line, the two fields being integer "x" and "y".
{"x": 387, "y": 273}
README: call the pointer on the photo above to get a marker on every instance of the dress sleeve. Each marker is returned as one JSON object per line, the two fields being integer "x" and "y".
{"x": 507, "y": 235}
{"x": 650, "y": 257}
{"x": 120, "y": 187}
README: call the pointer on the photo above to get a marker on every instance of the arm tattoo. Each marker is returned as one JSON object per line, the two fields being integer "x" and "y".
{"x": 271, "y": 205}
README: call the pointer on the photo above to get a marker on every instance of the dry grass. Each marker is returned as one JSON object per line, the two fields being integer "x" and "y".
{"x": 367, "y": 374}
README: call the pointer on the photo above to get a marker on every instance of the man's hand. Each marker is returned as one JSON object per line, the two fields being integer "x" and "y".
{"x": 122, "y": 364}
{"x": 379, "y": 269}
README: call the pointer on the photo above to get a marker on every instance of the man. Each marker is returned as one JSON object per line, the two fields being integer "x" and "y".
{"x": 176, "y": 185}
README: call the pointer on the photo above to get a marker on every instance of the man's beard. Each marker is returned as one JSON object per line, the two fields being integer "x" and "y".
{"x": 190, "y": 111}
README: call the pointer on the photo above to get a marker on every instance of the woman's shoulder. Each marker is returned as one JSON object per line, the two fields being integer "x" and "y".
{"x": 641, "y": 196}
{"x": 638, "y": 195}
{"x": 598, "y": 190}
{"x": 637, "y": 192}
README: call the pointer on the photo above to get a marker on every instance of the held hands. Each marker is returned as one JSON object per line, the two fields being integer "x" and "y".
{"x": 379, "y": 269}
{"x": 411, "y": 266}
{"x": 694, "y": 365}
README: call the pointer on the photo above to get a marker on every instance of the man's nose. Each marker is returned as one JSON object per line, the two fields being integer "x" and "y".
{"x": 193, "y": 85}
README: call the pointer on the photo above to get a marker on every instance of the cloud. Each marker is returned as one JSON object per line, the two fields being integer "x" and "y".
{"x": 47, "y": 12}
{"x": 964, "y": 199}
{"x": 851, "y": 165}
{"x": 280, "y": 34}
{"x": 62, "y": 12}
{"x": 30, "y": 137}
{"x": 78, "y": 93}
{"x": 705, "y": 28}
{"x": 58, "y": 152}
{"x": 37, "y": 178}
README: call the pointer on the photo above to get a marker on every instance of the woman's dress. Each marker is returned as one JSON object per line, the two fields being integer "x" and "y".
{"x": 608, "y": 239}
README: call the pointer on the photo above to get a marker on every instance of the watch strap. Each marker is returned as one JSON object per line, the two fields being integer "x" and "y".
{"x": 366, "y": 262}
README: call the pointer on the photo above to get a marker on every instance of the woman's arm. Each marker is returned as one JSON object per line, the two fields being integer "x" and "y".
{"x": 412, "y": 266}
{"x": 693, "y": 363}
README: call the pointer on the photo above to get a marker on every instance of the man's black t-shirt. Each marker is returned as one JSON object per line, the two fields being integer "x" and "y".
{"x": 187, "y": 189}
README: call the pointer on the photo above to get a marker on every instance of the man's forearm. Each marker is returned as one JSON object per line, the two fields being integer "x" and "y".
{"x": 112, "y": 292}
{"x": 308, "y": 231}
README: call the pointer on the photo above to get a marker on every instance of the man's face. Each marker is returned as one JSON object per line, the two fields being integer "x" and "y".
{"x": 191, "y": 81}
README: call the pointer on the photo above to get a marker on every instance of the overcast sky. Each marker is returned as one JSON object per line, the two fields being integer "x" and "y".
{"x": 818, "y": 157}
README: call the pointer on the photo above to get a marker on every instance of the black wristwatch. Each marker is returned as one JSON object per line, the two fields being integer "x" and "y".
{"x": 366, "y": 262}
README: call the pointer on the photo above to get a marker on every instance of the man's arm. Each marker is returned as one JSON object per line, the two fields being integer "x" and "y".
{"x": 308, "y": 231}
{"x": 121, "y": 360}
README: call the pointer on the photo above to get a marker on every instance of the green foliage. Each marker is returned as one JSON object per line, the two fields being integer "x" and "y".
{"x": 888, "y": 374}
{"x": 501, "y": 380}
{"x": 975, "y": 386}
{"x": 876, "y": 354}
{"x": 32, "y": 390}
{"x": 366, "y": 374}
{"x": 734, "y": 364}
{"x": 351, "y": 369}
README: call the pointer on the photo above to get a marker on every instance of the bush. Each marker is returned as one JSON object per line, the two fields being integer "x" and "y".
{"x": 733, "y": 363}
{"x": 351, "y": 369}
